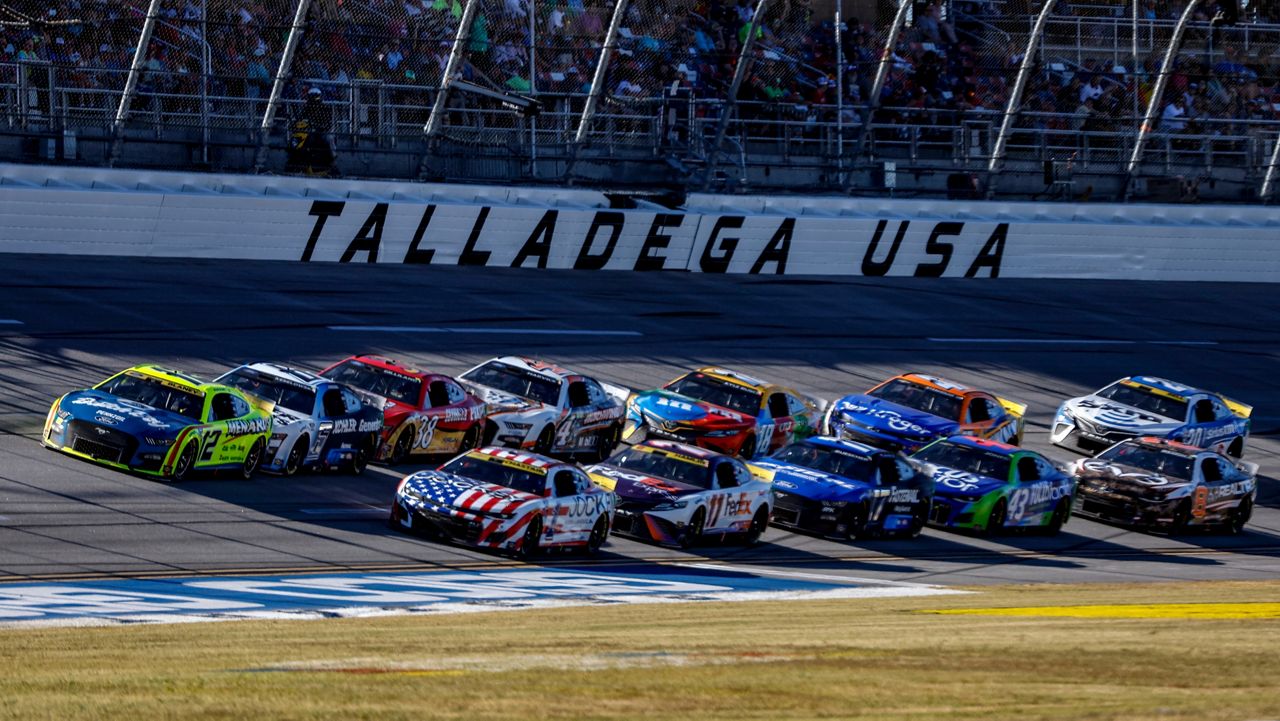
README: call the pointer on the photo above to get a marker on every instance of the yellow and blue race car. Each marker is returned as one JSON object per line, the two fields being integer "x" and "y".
{"x": 162, "y": 423}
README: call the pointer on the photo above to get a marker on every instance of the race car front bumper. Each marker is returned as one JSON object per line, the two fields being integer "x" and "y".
{"x": 1084, "y": 437}
{"x": 1124, "y": 509}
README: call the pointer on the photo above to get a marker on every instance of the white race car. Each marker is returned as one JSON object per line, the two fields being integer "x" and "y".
{"x": 507, "y": 500}
{"x": 318, "y": 424}
{"x": 675, "y": 493}
{"x": 536, "y": 405}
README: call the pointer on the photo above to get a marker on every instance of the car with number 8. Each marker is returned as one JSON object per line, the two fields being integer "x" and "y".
{"x": 990, "y": 487}
{"x": 677, "y": 494}
{"x": 160, "y": 422}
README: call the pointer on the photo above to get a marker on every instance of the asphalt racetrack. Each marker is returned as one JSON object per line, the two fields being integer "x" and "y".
{"x": 67, "y": 322}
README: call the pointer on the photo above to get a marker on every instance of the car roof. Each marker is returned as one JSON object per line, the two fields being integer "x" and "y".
{"x": 861, "y": 449}
{"x": 740, "y": 379}
{"x": 1168, "y": 445}
{"x": 537, "y": 365}
{"x": 289, "y": 374}
{"x": 534, "y": 462}
{"x": 391, "y": 365}
{"x": 182, "y": 380}
{"x": 683, "y": 449}
{"x": 943, "y": 385}
{"x": 987, "y": 445}
{"x": 1177, "y": 390}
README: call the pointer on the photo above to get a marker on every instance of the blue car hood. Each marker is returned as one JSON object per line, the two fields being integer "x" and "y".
{"x": 893, "y": 419}
{"x": 949, "y": 481}
{"x": 652, "y": 490}
{"x": 137, "y": 419}
{"x": 680, "y": 409}
{"x": 817, "y": 485}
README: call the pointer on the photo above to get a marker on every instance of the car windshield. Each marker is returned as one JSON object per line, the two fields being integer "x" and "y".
{"x": 379, "y": 381}
{"x": 920, "y": 398}
{"x": 828, "y": 460}
{"x": 1145, "y": 399}
{"x": 155, "y": 393}
{"x": 717, "y": 392}
{"x": 516, "y": 381}
{"x": 966, "y": 458}
{"x": 673, "y": 467}
{"x": 1166, "y": 463}
{"x": 286, "y": 395}
{"x": 499, "y": 472}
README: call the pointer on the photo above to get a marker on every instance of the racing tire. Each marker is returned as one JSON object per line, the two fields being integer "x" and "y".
{"x": 693, "y": 532}
{"x": 609, "y": 440}
{"x": 546, "y": 439}
{"x": 1061, "y": 513}
{"x": 856, "y": 522}
{"x": 293, "y": 462}
{"x": 1181, "y": 518}
{"x": 251, "y": 461}
{"x": 185, "y": 463}
{"x": 490, "y": 432}
{"x": 599, "y": 534}
{"x": 361, "y": 461}
{"x": 531, "y": 543}
{"x": 758, "y": 523}
{"x": 919, "y": 518}
{"x": 471, "y": 439}
{"x": 400, "y": 451}
{"x": 995, "y": 520}
{"x": 1239, "y": 517}
{"x": 748, "y": 449}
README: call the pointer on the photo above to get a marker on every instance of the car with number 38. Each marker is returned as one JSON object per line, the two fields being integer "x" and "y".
{"x": 162, "y": 423}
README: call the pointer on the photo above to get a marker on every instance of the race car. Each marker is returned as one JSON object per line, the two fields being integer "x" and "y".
{"x": 507, "y": 500}
{"x": 846, "y": 490}
{"x": 317, "y": 423}
{"x": 907, "y": 412}
{"x": 424, "y": 413}
{"x": 990, "y": 486}
{"x": 1157, "y": 483}
{"x": 723, "y": 411}
{"x": 1149, "y": 406}
{"x": 161, "y": 423}
{"x": 541, "y": 406}
{"x": 677, "y": 494}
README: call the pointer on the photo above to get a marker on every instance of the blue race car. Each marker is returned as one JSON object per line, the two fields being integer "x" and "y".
{"x": 986, "y": 486}
{"x": 907, "y": 412}
{"x": 848, "y": 490}
{"x": 1148, "y": 406}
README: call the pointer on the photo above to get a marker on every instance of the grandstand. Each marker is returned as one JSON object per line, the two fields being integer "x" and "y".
{"x": 859, "y": 97}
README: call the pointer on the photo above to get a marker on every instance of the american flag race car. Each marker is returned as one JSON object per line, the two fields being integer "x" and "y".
{"x": 506, "y": 500}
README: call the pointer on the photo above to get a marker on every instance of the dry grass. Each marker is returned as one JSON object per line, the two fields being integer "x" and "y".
{"x": 872, "y": 659}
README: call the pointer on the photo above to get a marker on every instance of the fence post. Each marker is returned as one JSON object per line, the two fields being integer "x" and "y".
{"x": 872, "y": 101}
{"x": 131, "y": 82}
{"x": 277, "y": 87}
{"x": 451, "y": 70}
{"x": 1012, "y": 107}
{"x": 1157, "y": 93}
{"x": 740, "y": 72}
{"x": 839, "y": 38}
{"x": 602, "y": 67}
{"x": 1269, "y": 180}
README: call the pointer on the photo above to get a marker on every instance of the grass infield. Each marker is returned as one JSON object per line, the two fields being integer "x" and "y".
{"x": 883, "y": 659}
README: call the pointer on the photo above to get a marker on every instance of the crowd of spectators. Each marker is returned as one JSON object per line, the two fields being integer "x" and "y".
{"x": 955, "y": 62}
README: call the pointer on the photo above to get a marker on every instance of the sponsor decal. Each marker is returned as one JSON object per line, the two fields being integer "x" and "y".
{"x": 240, "y": 427}
{"x": 1112, "y": 414}
{"x": 904, "y": 495}
{"x": 108, "y": 419}
{"x": 1146, "y": 478}
{"x": 892, "y": 418}
{"x": 123, "y": 407}
{"x": 1231, "y": 490}
{"x": 959, "y": 480}
{"x": 352, "y": 425}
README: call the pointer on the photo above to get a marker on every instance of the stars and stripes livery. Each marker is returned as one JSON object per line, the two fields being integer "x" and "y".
{"x": 508, "y": 500}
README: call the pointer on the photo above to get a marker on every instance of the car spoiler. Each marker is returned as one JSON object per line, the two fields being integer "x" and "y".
{"x": 261, "y": 403}
{"x": 1248, "y": 467}
{"x": 820, "y": 403}
{"x": 622, "y": 393}
{"x": 1237, "y": 407}
{"x": 1014, "y": 407}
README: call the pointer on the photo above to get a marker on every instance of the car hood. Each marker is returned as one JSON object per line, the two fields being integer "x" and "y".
{"x": 1126, "y": 479}
{"x": 499, "y": 401}
{"x": 1109, "y": 414}
{"x": 633, "y": 486}
{"x": 950, "y": 481}
{"x": 675, "y": 408}
{"x": 807, "y": 482}
{"x": 128, "y": 416}
{"x": 893, "y": 419}
{"x": 465, "y": 494}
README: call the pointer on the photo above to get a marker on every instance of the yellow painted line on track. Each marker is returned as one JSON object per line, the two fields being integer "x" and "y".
{"x": 1206, "y": 611}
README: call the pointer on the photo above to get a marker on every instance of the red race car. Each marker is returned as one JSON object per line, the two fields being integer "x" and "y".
{"x": 426, "y": 413}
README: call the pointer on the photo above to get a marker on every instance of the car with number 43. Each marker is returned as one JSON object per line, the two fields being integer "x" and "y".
{"x": 988, "y": 486}
{"x": 677, "y": 494}
{"x": 1156, "y": 483}
{"x": 506, "y": 500}
{"x": 1149, "y": 406}
{"x": 846, "y": 490}
{"x": 908, "y": 411}
{"x": 424, "y": 413}
{"x": 724, "y": 411}
{"x": 318, "y": 424}
{"x": 540, "y": 406}
{"x": 162, "y": 423}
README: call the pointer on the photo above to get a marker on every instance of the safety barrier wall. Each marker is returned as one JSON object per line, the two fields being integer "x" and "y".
{"x": 200, "y": 216}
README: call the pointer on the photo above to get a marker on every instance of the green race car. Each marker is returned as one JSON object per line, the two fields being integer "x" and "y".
{"x": 988, "y": 486}
{"x": 162, "y": 423}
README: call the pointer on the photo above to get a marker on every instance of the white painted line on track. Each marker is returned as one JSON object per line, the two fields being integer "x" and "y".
{"x": 10, "y": 321}
{"x": 345, "y": 511}
{"x": 1072, "y": 341}
{"x": 810, "y": 576}
{"x": 514, "y": 331}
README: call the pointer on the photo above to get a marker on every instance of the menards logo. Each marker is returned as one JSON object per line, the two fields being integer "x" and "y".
{"x": 244, "y": 428}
